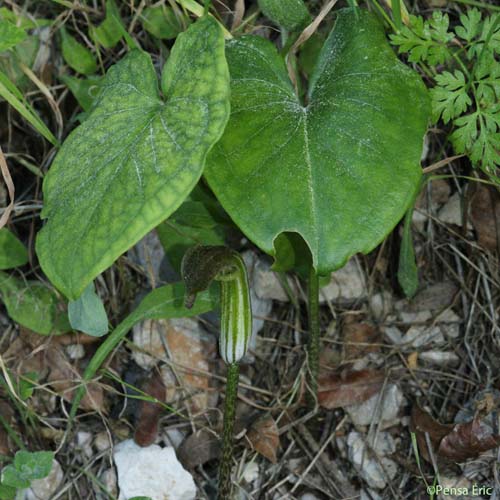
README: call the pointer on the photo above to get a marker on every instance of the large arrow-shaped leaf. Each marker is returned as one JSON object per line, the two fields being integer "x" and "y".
{"x": 135, "y": 158}
{"x": 342, "y": 169}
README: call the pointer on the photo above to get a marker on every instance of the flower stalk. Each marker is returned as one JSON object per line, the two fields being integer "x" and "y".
{"x": 200, "y": 266}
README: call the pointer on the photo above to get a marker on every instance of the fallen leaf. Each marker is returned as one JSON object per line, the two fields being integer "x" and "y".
{"x": 412, "y": 360}
{"x": 264, "y": 438}
{"x": 485, "y": 216}
{"x": 64, "y": 378}
{"x": 453, "y": 442}
{"x": 359, "y": 337}
{"x": 468, "y": 441}
{"x": 148, "y": 414}
{"x": 421, "y": 423}
{"x": 348, "y": 387}
{"x": 198, "y": 449}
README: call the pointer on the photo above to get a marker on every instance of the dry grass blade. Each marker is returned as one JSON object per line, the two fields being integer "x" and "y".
{"x": 10, "y": 187}
{"x": 305, "y": 35}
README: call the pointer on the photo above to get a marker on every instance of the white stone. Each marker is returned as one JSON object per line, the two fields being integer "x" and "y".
{"x": 148, "y": 253}
{"x": 309, "y": 496}
{"x": 409, "y": 317}
{"x": 251, "y": 472}
{"x": 451, "y": 213}
{"x": 382, "y": 409}
{"x": 173, "y": 437}
{"x": 84, "y": 443}
{"x": 420, "y": 335}
{"x": 44, "y": 489}
{"x": 369, "y": 468}
{"x": 152, "y": 471}
{"x": 102, "y": 441}
{"x": 109, "y": 481}
{"x": 346, "y": 285}
{"x": 266, "y": 283}
{"x": 393, "y": 333}
{"x": 440, "y": 358}
{"x": 381, "y": 304}
{"x": 75, "y": 351}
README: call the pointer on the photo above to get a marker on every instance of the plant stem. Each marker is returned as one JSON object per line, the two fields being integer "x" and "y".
{"x": 313, "y": 345}
{"x": 233, "y": 375}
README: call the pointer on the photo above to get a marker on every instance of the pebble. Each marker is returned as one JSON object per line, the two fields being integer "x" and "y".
{"x": 151, "y": 471}
{"x": 383, "y": 410}
{"x": 44, "y": 489}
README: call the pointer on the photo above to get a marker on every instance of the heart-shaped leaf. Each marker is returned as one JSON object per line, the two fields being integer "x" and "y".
{"x": 12, "y": 252}
{"x": 341, "y": 170}
{"x": 135, "y": 158}
{"x": 291, "y": 14}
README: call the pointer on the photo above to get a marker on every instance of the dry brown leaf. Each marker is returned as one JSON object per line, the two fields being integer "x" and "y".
{"x": 468, "y": 441}
{"x": 198, "y": 448}
{"x": 148, "y": 414}
{"x": 453, "y": 442}
{"x": 348, "y": 387}
{"x": 264, "y": 438}
{"x": 64, "y": 379}
{"x": 412, "y": 360}
{"x": 485, "y": 216}
{"x": 359, "y": 338}
{"x": 422, "y": 423}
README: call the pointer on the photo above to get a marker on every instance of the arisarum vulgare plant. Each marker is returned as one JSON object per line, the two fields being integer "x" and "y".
{"x": 200, "y": 266}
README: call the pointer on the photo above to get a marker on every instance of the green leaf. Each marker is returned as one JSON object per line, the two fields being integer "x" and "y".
{"x": 22, "y": 21}
{"x": 340, "y": 171}
{"x": 425, "y": 40}
{"x": 162, "y": 22}
{"x": 449, "y": 96}
{"x": 407, "y": 269}
{"x": 30, "y": 303}
{"x": 290, "y": 14}
{"x": 109, "y": 32}
{"x": 193, "y": 223}
{"x": 27, "y": 385}
{"x": 7, "y": 492}
{"x": 85, "y": 90}
{"x": 10, "y": 35}
{"x": 27, "y": 467}
{"x": 471, "y": 25}
{"x": 12, "y": 252}
{"x": 76, "y": 55}
{"x": 135, "y": 158}
{"x": 87, "y": 314}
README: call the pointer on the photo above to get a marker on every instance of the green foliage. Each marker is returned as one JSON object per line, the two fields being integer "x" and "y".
{"x": 85, "y": 90}
{"x": 78, "y": 57}
{"x": 426, "y": 40}
{"x": 27, "y": 467}
{"x": 87, "y": 314}
{"x": 27, "y": 384}
{"x": 467, "y": 92}
{"x": 135, "y": 158}
{"x": 320, "y": 170}
{"x": 32, "y": 304}
{"x": 191, "y": 224}
{"x": 407, "y": 269}
{"x": 109, "y": 32}
{"x": 10, "y": 35}
{"x": 12, "y": 252}
{"x": 290, "y": 14}
{"x": 162, "y": 22}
